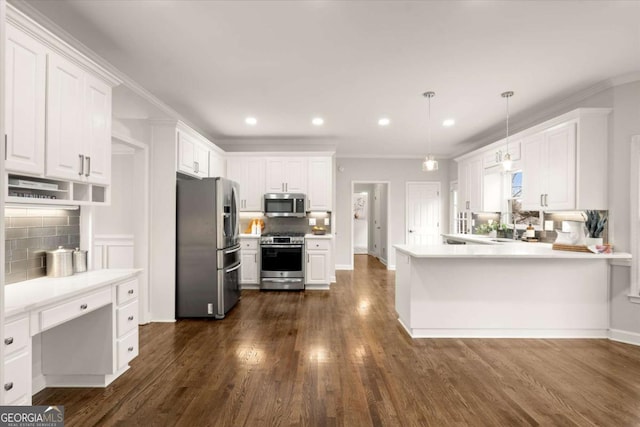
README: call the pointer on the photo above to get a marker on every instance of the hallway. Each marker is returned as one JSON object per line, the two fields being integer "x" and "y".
{"x": 341, "y": 358}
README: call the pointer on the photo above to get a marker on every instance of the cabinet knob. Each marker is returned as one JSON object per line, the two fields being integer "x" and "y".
{"x": 130, "y": 349}
{"x": 8, "y": 386}
{"x": 130, "y": 292}
{"x": 130, "y": 318}
{"x": 83, "y": 307}
{"x": 8, "y": 340}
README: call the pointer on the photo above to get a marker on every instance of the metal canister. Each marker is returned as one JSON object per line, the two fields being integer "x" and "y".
{"x": 60, "y": 262}
{"x": 79, "y": 261}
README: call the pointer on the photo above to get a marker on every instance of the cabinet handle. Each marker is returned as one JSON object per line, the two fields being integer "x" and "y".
{"x": 8, "y": 386}
{"x": 88, "y": 166}
{"x": 83, "y": 307}
{"x": 307, "y": 258}
{"x": 81, "y": 165}
{"x": 546, "y": 202}
{"x": 8, "y": 341}
{"x": 130, "y": 318}
{"x": 130, "y": 291}
{"x": 286, "y": 186}
{"x": 255, "y": 258}
{"x": 130, "y": 349}
{"x": 468, "y": 205}
{"x": 541, "y": 199}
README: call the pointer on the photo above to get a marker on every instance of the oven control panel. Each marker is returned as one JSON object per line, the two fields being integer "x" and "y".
{"x": 282, "y": 240}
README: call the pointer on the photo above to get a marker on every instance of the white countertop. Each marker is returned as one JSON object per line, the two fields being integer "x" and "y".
{"x": 318, "y": 236}
{"x": 484, "y": 239}
{"x": 249, "y": 236}
{"x": 507, "y": 250}
{"x": 31, "y": 294}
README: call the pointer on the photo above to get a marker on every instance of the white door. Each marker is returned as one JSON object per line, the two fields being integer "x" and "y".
{"x": 377, "y": 226}
{"x": 423, "y": 213}
{"x": 65, "y": 102}
{"x": 25, "y": 79}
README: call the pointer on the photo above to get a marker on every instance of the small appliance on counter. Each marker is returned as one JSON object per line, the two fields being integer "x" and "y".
{"x": 60, "y": 262}
{"x": 282, "y": 256}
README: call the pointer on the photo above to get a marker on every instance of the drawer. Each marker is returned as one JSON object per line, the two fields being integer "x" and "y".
{"x": 127, "y": 291}
{"x": 318, "y": 245}
{"x": 16, "y": 336}
{"x": 17, "y": 378}
{"x": 127, "y": 349}
{"x": 127, "y": 318}
{"x": 74, "y": 308}
{"x": 249, "y": 244}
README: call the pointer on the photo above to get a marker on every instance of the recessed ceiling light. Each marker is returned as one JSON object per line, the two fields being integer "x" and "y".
{"x": 448, "y": 123}
{"x": 317, "y": 121}
{"x": 384, "y": 121}
{"x": 251, "y": 121}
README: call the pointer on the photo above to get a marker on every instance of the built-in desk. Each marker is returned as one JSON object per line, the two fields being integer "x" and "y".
{"x": 76, "y": 331}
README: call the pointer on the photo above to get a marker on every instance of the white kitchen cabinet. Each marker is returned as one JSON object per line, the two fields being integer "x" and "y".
{"x": 549, "y": 169}
{"x": 217, "y": 165}
{"x": 250, "y": 261}
{"x": 25, "y": 84}
{"x": 65, "y": 154}
{"x": 318, "y": 261}
{"x": 495, "y": 154}
{"x": 249, "y": 172}
{"x": 193, "y": 156}
{"x": 286, "y": 175}
{"x": 17, "y": 361}
{"x": 470, "y": 176}
{"x": 320, "y": 184}
{"x": 78, "y": 146}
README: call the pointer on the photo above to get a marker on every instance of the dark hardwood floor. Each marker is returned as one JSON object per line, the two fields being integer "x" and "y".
{"x": 341, "y": 358}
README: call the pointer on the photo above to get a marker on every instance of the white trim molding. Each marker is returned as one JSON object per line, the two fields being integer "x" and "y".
{"x": 634, "y": 197}
{"x": 346, "y": 267}
{"x": 624, "y": 336}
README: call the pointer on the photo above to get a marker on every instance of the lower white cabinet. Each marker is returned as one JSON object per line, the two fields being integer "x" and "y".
{"x": 17, "y": 361}
{"x": 250, "y": 261}
{"x": 318, "y": 261}
{"x": 86, "y": 340}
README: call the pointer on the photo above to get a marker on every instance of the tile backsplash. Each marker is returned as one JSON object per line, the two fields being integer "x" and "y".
{"x": 30, "y": 232}
{"x": 298, "y": 225}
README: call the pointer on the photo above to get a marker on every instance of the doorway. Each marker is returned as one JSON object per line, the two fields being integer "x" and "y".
{"x": 423, "y": 213}
{"x": 370, "y": 219}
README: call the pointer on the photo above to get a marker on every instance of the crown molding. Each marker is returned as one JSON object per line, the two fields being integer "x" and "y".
{"x": 385, "y": 156}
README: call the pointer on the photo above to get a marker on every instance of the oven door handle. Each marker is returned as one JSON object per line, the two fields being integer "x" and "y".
{"x": 232, "y": 268}
{"x": 282, "y": 246}
{"x": 295, "y": 279}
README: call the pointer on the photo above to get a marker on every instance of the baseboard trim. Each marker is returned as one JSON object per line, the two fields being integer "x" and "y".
{"x": 316, "y": 287}
{"x": 344, "y": 266}
{"x": 391, "y": 267}
{"x": 507, "y": 333}
{"x": 251, "y": 287}
{"x": 163, "y": 320}
{"x": 624, "y": 336}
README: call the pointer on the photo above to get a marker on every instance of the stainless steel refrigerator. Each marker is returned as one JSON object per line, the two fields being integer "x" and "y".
{"x": 208, "y": 247}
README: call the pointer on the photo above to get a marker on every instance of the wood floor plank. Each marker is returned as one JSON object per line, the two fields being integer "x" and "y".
{"x": 340, "y": 358}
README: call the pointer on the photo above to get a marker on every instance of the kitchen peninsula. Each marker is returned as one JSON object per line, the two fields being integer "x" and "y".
{"x": 509, "y": 290}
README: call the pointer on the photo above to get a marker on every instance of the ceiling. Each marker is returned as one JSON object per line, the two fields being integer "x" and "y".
{"x": 353, "y": 62}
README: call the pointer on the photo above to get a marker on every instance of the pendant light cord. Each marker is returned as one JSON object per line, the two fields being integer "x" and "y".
{"x": 429, "y": 129}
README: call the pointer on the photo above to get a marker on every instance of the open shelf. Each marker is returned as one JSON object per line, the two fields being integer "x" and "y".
{"x": 38, "y": 190}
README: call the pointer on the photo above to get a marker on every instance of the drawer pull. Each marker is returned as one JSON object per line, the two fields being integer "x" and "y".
{"x": 130, "y": 318}
{"x": 130, "y": 292}
{"x": 130, "y": 349}
{"x": 8, "y": 341}
{"x": 83, "y": 307}
{"x": 8, "y": 386}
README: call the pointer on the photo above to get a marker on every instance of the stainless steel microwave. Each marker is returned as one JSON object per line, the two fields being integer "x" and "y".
{"x": 285, "y": 205}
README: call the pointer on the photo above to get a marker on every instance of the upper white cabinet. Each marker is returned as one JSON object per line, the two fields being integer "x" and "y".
{"x": 193, "y": 156}
{"x": 549, "y": 170}
{"x": 470, "y": 176}
{"x": 25, "y": 83}
{"x": 495, "y": 155}
{"x": 286, "y": 175}
{"x": 78, "y": 146}
{"x": 217, "y": 165}
{"x": 249, "y": 172}
{"x": 58, "y": 115}
{"x": 319, "y": 188}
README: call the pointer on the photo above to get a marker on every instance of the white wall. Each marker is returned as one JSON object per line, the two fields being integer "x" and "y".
{"x": 119, "y": 217}
{"x": 397, "y": 172}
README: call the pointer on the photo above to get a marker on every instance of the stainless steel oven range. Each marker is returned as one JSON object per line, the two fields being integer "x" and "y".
{"x": 282, "y": 261}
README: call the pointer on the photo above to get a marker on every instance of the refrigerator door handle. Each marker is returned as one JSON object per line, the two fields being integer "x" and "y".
{"x": 232, "y": 250}
{"x": 229, "y": 270}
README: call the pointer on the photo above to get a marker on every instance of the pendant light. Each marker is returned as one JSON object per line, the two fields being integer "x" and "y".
{"x": 430, "y": 164}
{"x": 507, "y": 163}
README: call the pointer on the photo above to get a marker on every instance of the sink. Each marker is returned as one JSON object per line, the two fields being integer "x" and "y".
{"x": 505, "y": 240}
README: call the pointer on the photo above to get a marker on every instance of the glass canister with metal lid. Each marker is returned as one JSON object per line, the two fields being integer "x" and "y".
{"x": 79, "y": 261}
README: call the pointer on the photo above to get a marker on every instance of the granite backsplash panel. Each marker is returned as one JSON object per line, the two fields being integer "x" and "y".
{"x": 30, "y": 232}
